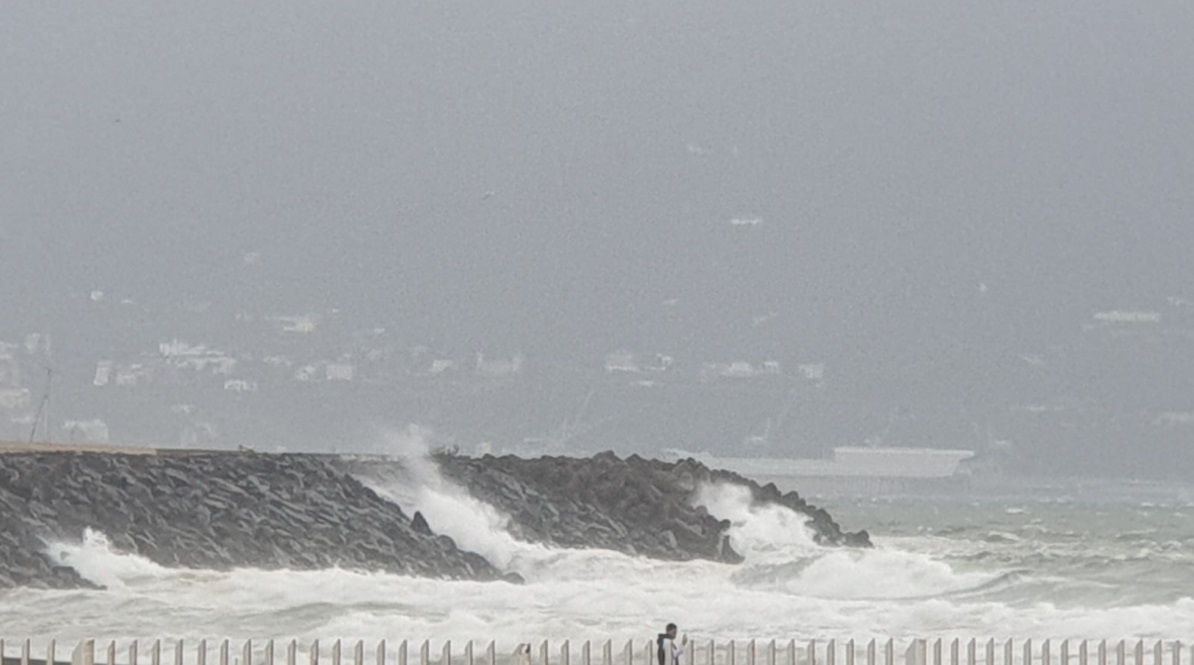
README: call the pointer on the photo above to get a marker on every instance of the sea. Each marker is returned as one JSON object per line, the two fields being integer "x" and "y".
{"x": 1061, "y": 559}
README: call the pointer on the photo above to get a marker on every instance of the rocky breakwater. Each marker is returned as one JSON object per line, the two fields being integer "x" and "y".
{"x": 634, "y": 505}
{"x": 210, "y": 510}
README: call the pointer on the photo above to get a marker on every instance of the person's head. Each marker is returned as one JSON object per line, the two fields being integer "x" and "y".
{"x": 670, "y": 631}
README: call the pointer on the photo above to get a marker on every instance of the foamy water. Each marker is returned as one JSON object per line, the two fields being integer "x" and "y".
{"x": 991, "y": 573}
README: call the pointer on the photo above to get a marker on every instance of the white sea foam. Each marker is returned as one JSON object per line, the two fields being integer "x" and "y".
{"x": 787, "y": 588}
{"x": 581, "y": 595}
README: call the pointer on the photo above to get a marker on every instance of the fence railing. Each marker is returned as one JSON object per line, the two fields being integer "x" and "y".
{"x": 705, "y": 652}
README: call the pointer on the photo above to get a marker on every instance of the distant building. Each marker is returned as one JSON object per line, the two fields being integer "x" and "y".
{"x": 302, "y": 324}
{"x": 662, "y": 363}
{"x": 340, "y": 372}
{"x": 1119, "y": 316}
{"x": 621, "y": 361}
{"x": 86, "y": 431}
{"x": 499, "y": 367}
{"x": 15, "y": 398}
{"x": 306, "y": 374}
{"x": 103, "y": 373}
{"x": 739, "y": 369}
{"x": 198, "y": 357}
{"x": 36, "y": 343}
{"x": 240, "y": 386}
{"x": 813, "y": 371}
{"x": 1172, "y": 419}
{"x": 132, "y": 375}
{"x": 278, "y": 361}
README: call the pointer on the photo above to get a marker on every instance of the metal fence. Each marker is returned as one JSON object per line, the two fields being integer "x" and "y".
{"x": 704, "y": 652}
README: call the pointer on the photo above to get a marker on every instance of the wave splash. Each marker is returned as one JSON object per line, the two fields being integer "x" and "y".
{"x": 787, "y": 587}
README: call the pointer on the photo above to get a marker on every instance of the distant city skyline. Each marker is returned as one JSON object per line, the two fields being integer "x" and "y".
{"x": 915, "y": 193}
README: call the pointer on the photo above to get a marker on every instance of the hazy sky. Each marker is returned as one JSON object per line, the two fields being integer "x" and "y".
{"x": 522, "y": 173}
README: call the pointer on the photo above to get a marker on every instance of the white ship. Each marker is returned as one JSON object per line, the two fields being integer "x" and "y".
{"x": 853, "y": 470}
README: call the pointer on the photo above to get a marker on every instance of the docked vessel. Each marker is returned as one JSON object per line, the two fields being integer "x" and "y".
{"x": 856, "y": 470}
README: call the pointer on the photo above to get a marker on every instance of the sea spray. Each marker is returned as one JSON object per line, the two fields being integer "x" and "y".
{"x": 418, "y": 485}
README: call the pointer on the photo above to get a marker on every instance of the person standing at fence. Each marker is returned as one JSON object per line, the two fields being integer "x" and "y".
{"x": 669, "y": 652}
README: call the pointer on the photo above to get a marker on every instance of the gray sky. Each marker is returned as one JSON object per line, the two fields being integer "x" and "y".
{"x": 543, "y": 175}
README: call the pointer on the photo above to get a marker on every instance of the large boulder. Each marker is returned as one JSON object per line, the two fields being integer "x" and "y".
{"x": 633, "y": 505}
{"x": 211, "y": 510}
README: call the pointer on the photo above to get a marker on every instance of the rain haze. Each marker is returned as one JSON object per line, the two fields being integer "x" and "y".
{"x": 750, "y": 229}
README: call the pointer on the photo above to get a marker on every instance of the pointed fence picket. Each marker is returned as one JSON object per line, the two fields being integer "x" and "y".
{"x": 951, "y": 651}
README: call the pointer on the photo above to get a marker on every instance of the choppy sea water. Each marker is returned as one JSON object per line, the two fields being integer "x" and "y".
{"x": 1065, "y": 560}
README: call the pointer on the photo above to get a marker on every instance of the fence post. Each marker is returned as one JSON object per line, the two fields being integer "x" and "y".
{"x": 889, "y": 652}
{"x": 990, "y": 655}
{"x": 269, "y": 652}
{"x": 313, "y": 655}
{"x": 445, "y": 657}
{"x": 1046, "y": 656}
{"x": 750, "y": 653}
{"x": 358, "y": 653}
{"x": 223, "y": 655}
{"x": 629, "y": 652}
{"x": 850, "y": 652}
{"x": 565, "y": 656}
{"x": 812, "y": 653}
{"x": 1159, "y": 653}
{"x": 84, "y": 653}
{"x": 649, "y": 655}
{"x": 178, "y": 652}
{"x": 955, "y": 652}
{"x": 1139, "y": 652}
{"x": 972, "y": 652}
{"x": 336, "y": 652}
{"x": 1083, "y": 653}
{"x": 292, "y": 652}
{"x": 246, "y": 652}
{"x": 200, "y": 653}
{"x": 468, "y": 653}
{"x": 1065, "y": 652}
{"x": 1028, "y": 652}
{"x": 1177, "y": 653}
{"x": 155, "y": 653}
{"x": 586, "y": 653}
{"x": 917, "y": 652}
{"x": 50, "y": 654}
{"x": 403, "y": 653}
{"x": 491, "y": 653}
{"x": 772, "y": 653}
{"x": 379, "y": 655}
{"x": 1121, "y": 653}
{"x": 607, "y": 653}
{"x": 1102, "y": 652}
